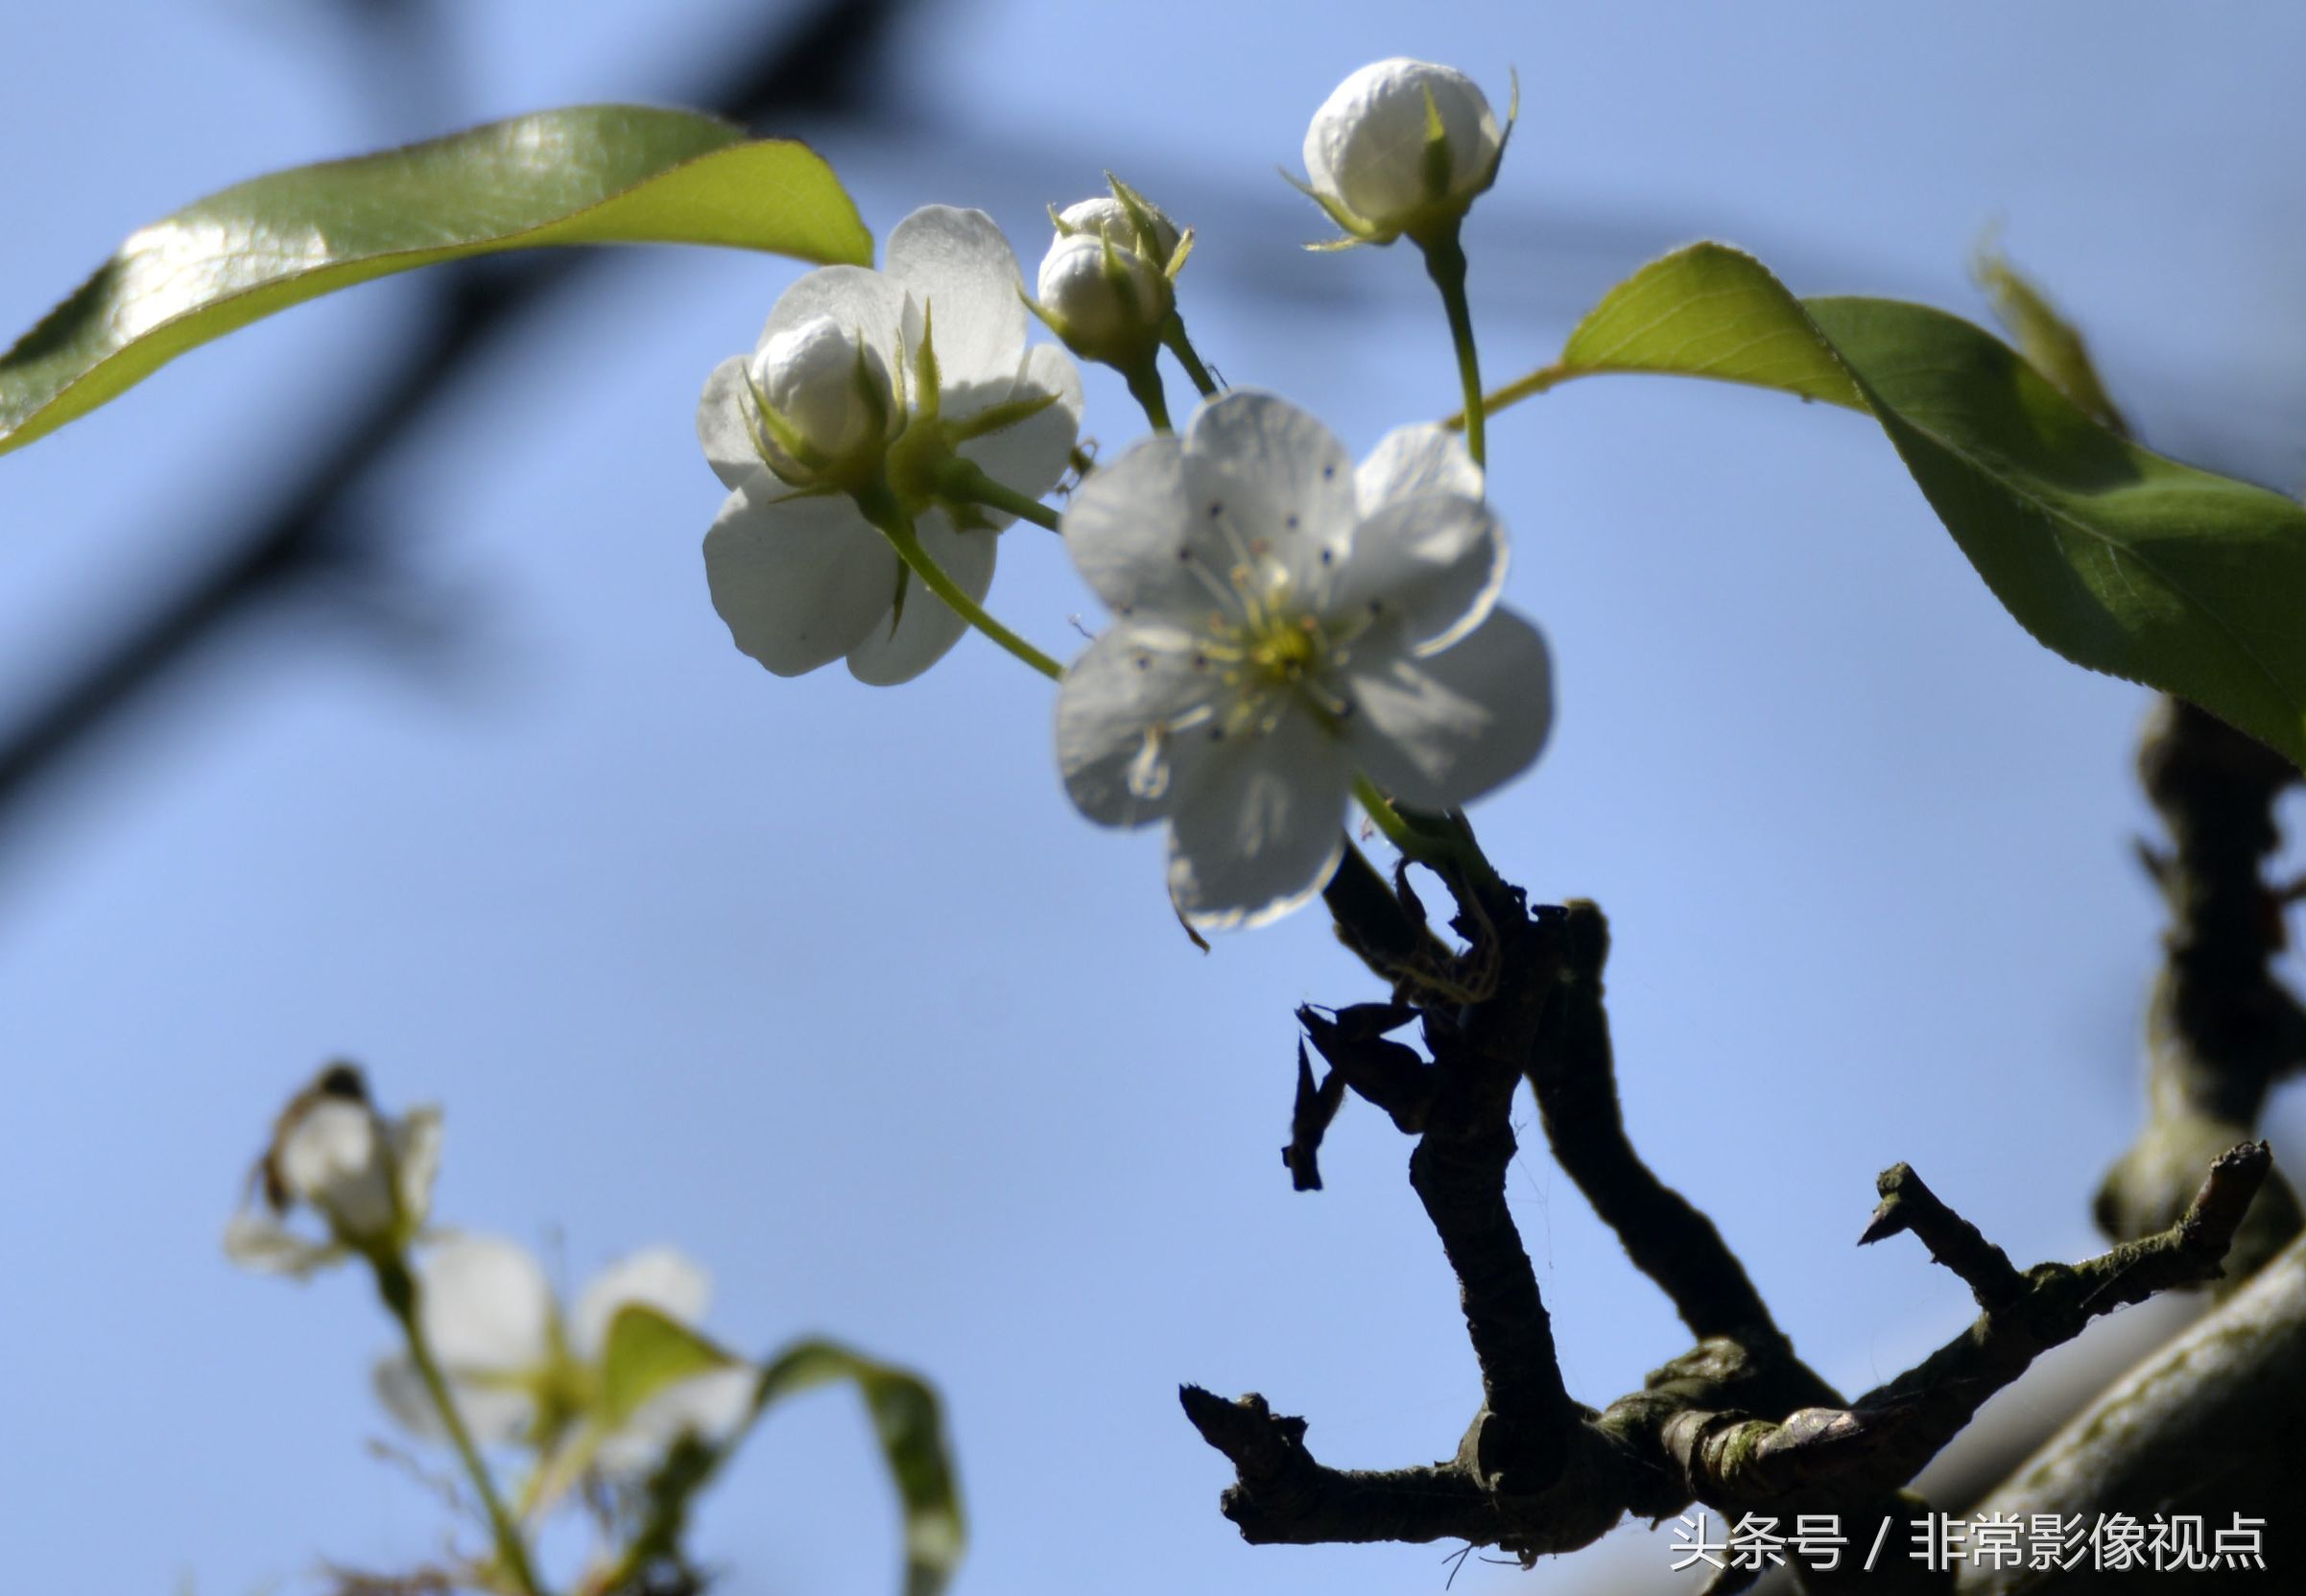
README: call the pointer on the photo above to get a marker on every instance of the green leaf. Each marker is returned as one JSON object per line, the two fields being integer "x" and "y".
{"x": 2112, "y": 556}
{"x": 586, "y": 174}
{"x": 906, "y": 1418}
{"x": 2050, "y": 344}
{"x": 647, "y": 1352}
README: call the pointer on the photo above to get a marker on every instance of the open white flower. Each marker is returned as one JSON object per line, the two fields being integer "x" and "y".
{"x": 1282, "y": 621}
{"x": 800, "y": 576}
{"x": 1371, "y": 154}
{"x": 520, "y": 1373}
{"x": 367, "y": 1178}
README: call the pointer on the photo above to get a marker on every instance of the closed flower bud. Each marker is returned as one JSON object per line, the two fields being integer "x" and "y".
{"x": 1104, "y": 299}
{"x": 1107, "y": 217}
{"x": 1402, "y": 146}
{"x": 826, "y": 401}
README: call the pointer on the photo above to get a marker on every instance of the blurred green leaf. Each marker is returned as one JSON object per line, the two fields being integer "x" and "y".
{"x": 646, "y": 1352}
{"x": 2050, "y": 344}
{"x": 906, "y": 1418}
{"x": 586, "y": 174}
{"x": 2108, "y": 553}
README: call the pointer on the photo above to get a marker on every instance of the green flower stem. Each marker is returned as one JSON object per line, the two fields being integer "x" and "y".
{"x": 1518, "y": 390}
{"x": 398, "y": 1289}
{"x": 1399, "y": 829}
{"x": 964, "y": 480}
{"x": 1445, "y": 264}
{"x": 1172, "y": 336}
{"x": 882, "y": 510}
{"x": 1145, "y": 386}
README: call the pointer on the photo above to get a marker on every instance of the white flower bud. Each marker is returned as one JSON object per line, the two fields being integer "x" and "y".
{"x": 829, "y": 397}
{"x": 334, "y": 1156}
{"x": 1104, "y": 299}
{"x": 1107, "y": 217}
{"x": 1369, "y": 155}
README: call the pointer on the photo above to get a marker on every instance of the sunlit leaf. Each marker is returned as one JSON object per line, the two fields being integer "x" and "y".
{"x": 2108, "y": 553}
{"x": 906, "y": 1419}
{"x": 644, "y": 1353}
{"x": 587, "y": 175}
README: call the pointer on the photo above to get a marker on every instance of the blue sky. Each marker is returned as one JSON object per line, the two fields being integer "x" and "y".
{"x": 831, "y": 987}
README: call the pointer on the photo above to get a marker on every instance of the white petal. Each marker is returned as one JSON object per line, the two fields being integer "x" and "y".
{"x": 928, "y": 626}
{"x": 486, "y": 1306}
{"x": 1133, "y": 537}
{"x": 801, "y": 581}
{"x": 1120, "y": 765}
{"x": 259, "y": 1241}
{"x": 712, "y": 1407}
{"x": 333, "y": 1155}
{"x": 1032, "y": 455}
{"x": 963, "y": 271}
{"x": 1273, "y": 481}
{"x": 416, "y": 1138}
{"x": 1444, "y": 730}
{"x": 1432, "y": 564}
{"x": 1261, "y": 827}
{"x": 659, "y": 1277}
{"x": 1420, "y": 459}
{"x": 850, "y": 295}
{"x": 725, "y": 424}
{"x": 495, "y": 1416}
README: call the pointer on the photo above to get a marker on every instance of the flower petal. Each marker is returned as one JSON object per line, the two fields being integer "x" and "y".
{"x": 1032, "y": 455}
{"x": 725, "y": 424}
{"x": 495, "y": 1416}
{"x": 1420, "y": 459}
{"x": 1278, "y": 474}
{"x": 415, "y": 1140}
{"x": 1445, "y": 728}
{"x": 1433, "y": 563}
{"x": 960, "y": 269}
{"x": 801, "y": 581}
{"x": 928, "y": 627}
{"x": 1113, "y": 708}
{"x": 259, "y": 1241}
{"x": 852, "y": 296}
{"x": 1133, "y": 537}
{"x": 712, "y": 1407}
{"x": 1261, "y": 827}
{"x": 659, "y": 1277}
{"x": 486, "y": 1305}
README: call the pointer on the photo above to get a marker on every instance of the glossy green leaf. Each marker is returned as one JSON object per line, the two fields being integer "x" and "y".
{"x": 907, "y": 1420}
{"x": 644, "y": 1353}
{"x": 587, "y": 175}
{"x": 2108, "y": 553}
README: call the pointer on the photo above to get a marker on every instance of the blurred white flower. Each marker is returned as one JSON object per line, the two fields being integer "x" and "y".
{"x": 1282, "y": 621}
{"x": 520, "y": 1373}
{"x": 367, "y": 1178}
{"x": 802, "y": 578}
{"x": 1401, "y": 145}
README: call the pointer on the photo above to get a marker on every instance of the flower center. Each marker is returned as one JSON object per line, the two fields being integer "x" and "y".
{"x": 1285, "y": 649}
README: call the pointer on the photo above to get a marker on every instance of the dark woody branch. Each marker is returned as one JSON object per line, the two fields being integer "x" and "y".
{"x": 1738, "y": 1422}
{"x": 2221, "y": 1028}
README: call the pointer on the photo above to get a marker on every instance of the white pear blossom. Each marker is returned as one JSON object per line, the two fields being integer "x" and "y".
{"x": 1104, "y": 298}
{"x": 802, "y": 578}
{"x": 1281, "y": 622}
{"x": 521, "y": 1372}
{"x": 1369, "y": 150}
{"x": 369, "y": 1179}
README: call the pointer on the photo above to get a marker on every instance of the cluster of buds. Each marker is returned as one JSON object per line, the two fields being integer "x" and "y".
{"x": 1107, "y": 284}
